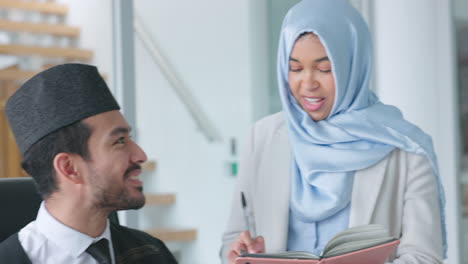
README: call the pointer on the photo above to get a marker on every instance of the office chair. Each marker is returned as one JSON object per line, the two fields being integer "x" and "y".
{"x": 19, "y": 203}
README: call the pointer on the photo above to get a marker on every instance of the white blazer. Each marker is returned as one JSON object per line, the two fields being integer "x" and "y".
{"x": 399, "y": 192}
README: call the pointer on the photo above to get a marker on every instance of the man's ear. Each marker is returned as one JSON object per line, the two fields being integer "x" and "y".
{"x": 66, "y": 167}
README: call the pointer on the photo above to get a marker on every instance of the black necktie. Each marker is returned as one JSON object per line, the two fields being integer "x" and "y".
{"x": 100, "y": 251}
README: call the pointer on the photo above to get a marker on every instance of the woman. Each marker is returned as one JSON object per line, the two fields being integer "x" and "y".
{"x": 335, "y": 157}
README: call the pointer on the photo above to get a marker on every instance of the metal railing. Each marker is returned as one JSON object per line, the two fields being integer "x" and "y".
{"x": 204, "y": 123}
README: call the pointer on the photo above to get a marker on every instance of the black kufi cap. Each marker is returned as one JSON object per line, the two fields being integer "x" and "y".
{"x": 55, "y": 98}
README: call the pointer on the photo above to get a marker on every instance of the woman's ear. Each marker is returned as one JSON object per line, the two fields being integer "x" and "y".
{"x": 66, "y": 167}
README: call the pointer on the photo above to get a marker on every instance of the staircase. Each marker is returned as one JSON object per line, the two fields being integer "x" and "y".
{"x": 38, "y": 45}
{"x": 164, "y": 200}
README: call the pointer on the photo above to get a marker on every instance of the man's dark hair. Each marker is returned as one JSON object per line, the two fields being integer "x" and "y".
{"x": 38, "y": 159}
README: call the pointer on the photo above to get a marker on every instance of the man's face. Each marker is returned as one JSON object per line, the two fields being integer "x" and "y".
{"x": 114, "y": 163}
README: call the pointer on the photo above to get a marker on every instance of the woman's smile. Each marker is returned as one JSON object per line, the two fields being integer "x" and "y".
{"x": 312, "y": 104}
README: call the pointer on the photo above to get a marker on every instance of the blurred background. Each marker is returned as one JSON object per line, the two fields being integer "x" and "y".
{"x": 193, "y": 76}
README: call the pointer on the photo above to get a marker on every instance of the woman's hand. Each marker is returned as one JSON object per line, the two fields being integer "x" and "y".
{"x": 245, "y": 243}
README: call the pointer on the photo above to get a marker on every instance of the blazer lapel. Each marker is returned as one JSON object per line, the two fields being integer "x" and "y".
{"x": 275, "y": 168}
{"x": 366, "y": 189}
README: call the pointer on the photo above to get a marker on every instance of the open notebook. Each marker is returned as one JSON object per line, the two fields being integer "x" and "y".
{"x": 368, "y": 244}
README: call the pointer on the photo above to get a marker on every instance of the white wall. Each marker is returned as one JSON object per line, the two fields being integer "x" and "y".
{"x": 207, "y": 43}
{"x": 416, "y": 72}
{"x": 94, "y": 19}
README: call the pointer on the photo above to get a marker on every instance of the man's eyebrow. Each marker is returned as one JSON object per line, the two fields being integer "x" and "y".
{"x": 120, "y": 130}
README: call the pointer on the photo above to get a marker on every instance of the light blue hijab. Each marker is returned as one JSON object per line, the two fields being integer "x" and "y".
{"x": 359, "y": 132}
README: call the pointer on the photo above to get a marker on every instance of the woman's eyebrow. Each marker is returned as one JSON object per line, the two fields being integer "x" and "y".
{"x": 293, "y": 59}
{"x": 317, "y": 60}
{"x": 322, "y": 59}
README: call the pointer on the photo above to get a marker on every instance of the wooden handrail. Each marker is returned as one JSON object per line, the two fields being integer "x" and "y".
{"x": 42, "y": 7}
{"x": 39, "y": 28}
{"x": 68, "y": 53}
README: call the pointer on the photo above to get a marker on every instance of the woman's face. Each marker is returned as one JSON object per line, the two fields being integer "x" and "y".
{"x": 310, "y": 77}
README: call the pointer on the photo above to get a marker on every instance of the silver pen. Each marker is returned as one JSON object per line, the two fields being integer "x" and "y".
{"x": 246, "y": 216}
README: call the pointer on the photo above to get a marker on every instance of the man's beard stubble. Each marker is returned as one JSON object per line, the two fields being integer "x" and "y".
{"x": 107, "y": 197}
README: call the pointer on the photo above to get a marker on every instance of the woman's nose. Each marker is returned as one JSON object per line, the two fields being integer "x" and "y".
{"x": 309, "y": 82}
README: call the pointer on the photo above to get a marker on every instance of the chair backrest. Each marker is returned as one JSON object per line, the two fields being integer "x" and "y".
{"x": 19, "y": 203}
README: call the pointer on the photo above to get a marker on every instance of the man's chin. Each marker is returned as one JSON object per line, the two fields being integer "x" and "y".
{"x": 131, "y": 198}
{"x": 132, "y": 201}
{"x": 136, "y": 203}
{"x": 135, "y": 206}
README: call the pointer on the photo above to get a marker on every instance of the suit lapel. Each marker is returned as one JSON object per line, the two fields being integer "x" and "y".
{"x": 12, "y": 252}
{"x": 366, "y": 189}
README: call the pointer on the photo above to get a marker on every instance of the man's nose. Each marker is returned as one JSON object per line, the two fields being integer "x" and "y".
{"x": 138, "y": 155}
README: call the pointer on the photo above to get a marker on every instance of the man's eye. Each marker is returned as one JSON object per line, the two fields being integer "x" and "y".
{"x": 121, "y": 140}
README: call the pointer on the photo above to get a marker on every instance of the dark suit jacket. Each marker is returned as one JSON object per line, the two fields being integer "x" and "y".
{"x": 130, "y": 247}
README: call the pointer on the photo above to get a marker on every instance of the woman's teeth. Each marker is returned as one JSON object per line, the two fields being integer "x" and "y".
{"x": 313, "y": 100}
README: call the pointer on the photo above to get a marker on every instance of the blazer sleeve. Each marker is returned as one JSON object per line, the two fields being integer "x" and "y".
{"x": 236, "y": 221}
{"x": 421, "y": 237}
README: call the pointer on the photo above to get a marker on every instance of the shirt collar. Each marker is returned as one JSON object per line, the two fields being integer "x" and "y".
{"x": 68, "y": 239}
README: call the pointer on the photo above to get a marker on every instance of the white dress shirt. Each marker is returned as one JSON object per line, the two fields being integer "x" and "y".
{"x": 46, "y": 241}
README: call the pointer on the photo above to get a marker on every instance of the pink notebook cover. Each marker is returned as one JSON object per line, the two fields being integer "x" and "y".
{"x": 373, "y": 255}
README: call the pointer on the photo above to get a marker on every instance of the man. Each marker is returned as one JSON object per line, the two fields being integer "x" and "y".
{"x": 77, "y": 146}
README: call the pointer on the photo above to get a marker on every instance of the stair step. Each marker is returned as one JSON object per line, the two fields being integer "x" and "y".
{"x": 173, "y": 235}
{"x": 67, "y": 53}
{"x": 160, "y": 199}
{"x": 149, "y": 165}
{"x": 42, "y": 7}
{"x": 39, "y": 28}
{"x": 15, "y": 74}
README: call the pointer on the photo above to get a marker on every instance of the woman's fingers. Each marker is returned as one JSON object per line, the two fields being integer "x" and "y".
{"x": 259, "y": 245}
{"x": 247, "y": 240}
{"x": 237, "y": 248}
{"x": 245, "y": 243}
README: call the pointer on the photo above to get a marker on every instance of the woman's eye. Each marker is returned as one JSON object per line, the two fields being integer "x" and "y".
{"x": 295, "y": 69}
{"x": 324, "y": 70}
